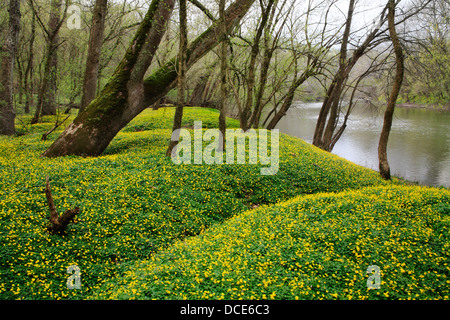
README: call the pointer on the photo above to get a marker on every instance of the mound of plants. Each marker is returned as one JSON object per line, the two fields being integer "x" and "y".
{"x": 133, "y": 201}
{"x": 323, "y": 246}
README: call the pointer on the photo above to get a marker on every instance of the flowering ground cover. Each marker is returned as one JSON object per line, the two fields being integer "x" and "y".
{"x": 137, "y": 207}
{"x": 310, "y": 247}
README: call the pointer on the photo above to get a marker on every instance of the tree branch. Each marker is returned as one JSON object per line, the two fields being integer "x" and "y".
{"x": 203, "y": 9}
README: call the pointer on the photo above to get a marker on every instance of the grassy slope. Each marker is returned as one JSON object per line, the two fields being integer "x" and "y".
{"x": 135, "y": 202}
{"x": 310, "y": 247}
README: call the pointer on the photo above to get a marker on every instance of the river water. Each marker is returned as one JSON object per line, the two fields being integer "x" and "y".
{"x": 419, "y": 143}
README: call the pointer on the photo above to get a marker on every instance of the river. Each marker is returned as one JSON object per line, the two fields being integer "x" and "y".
{"x": 419, "y": 143}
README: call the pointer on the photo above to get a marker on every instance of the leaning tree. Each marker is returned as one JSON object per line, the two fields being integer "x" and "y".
{"x": 128, "y": 92}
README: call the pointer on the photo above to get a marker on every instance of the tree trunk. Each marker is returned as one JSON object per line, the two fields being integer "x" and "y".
{"x": 49, "y": 94}
{"x": 46, "y": 104}
{"x": 322, "y": 138}
{"x": 181, "y": 84}
{"x": 247, "y": 110}
{"x": 8, "y": 53}
{"x": 388, "y": 115}
{"x": 256, "y": 116}
{"x": 29, "y": 70}
{"x": 323, "y": 134}
{"x": 269, "y": 49}
{"x": 223, "y": 75}
{"x": 20, "y": 72}
{"x": 197, "y": 95}
{"x": 289, "y": 97}
{"x": 125, "y": 95}
{"x": 93, "y": 57}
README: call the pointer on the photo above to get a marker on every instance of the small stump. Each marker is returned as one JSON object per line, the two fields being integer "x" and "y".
{"x": 58, "y": 223}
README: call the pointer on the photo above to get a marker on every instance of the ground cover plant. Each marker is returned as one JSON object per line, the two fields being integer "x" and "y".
{"x": 134, "y": 201}
{"x": 310, "y": 247}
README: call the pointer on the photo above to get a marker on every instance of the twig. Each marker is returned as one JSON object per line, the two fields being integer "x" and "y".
{"x": 45, "y": 135}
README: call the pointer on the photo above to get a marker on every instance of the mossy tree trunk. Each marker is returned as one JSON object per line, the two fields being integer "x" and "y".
{"x": 93, "y": 129}
{"x": 7, "y": 56}
{"x": 126, "y": 94}
{"x": 385, "y": 171}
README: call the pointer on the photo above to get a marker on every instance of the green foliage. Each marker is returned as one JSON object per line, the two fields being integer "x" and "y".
{"x": 163, "y": 119}
{"x": 134, "y": 201}
{"x": 310, "y": 247}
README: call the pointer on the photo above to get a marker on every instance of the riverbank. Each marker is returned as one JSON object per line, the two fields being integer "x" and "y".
{"x": 418, "y": 142}
{"x": 434, "y": 107}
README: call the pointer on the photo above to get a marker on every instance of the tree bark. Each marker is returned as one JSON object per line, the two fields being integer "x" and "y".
{"x": 223, "y": 74}
{"x": 46, "y": 104}
{"x": 125, "y": 95}
{"x": 8, "y": 53}
{"x": 49, "y": 94}
{"x": 20, "y": 78}
{"x": 246, "y": 112}
{"x": 29, "y": 70}
{"x": 385, "y": 171}
{"x": 330, "y": 106}
{"x": 181, "y": 84}
{"x": 93, "y": 57}
{"x": 197, "y": 95}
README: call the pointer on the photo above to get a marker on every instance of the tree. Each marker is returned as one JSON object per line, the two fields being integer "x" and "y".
{"x": 127, "y": 93}
{"x": 8, "y": 54}
{"x": 307, "y": 56}
{"x": 325, "y": 135}
{"x": 121, "y": 23}
{"x": 223, "y": 74}
{"x": 28, "y": 77}
{"x": 245, "y": 112}
{"x": 387, "y": 123}
{"x": 329, "y": 113}
{"x": 254, "y": 52}
{"x": 181, "y": 84}
{"x": 271, "y": 39}
{"x": 46, "y": 104}
{"x": 93, "y": 58}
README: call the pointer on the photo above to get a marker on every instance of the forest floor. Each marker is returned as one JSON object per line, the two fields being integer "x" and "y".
{"x": 151, "y": 229}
